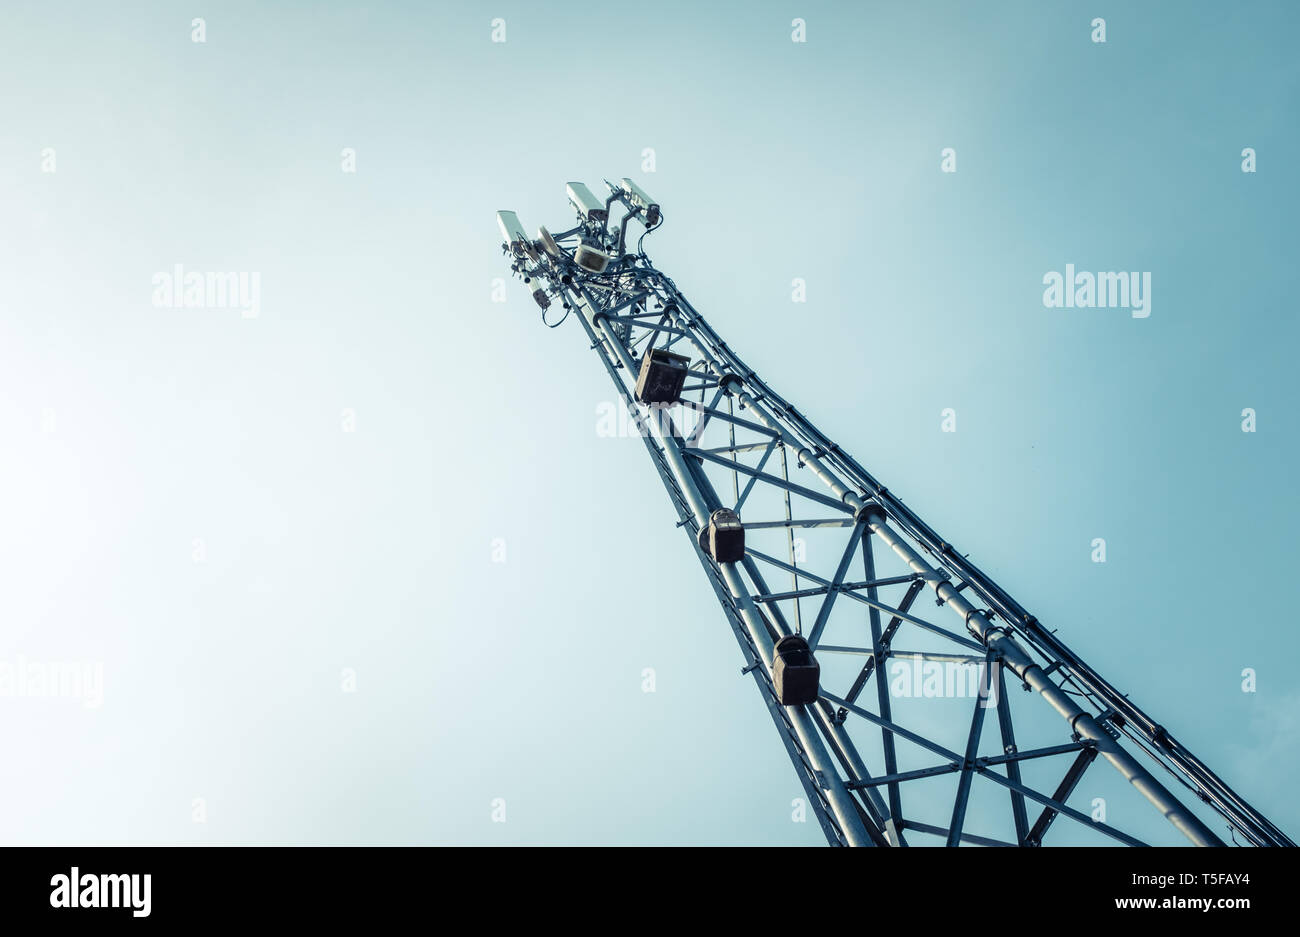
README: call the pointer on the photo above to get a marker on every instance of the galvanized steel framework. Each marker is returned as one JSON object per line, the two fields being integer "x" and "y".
{"x": 747, "y": 440}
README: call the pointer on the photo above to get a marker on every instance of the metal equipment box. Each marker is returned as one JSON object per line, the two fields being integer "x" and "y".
{"x": 795, "y": 672}
{"x": 725, "y": 537}
{"x": 662, "y": 376}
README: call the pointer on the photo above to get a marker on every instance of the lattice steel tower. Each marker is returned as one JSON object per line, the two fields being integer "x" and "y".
{"x": 884, "y": 761}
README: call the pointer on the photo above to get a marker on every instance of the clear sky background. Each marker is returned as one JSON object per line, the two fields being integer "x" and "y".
{"x": 131, "y": 431}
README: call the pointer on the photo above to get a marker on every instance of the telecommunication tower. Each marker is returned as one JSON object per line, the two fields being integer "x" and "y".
{"x": 819, "y": 628}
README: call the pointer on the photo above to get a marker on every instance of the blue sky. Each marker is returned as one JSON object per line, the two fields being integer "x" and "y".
{"x": 135, "y": 431}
